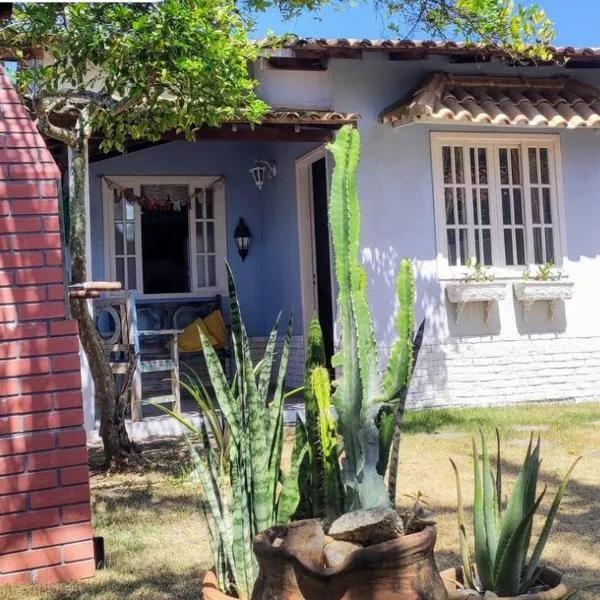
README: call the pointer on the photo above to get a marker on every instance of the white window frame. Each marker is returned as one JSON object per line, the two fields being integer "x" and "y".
{"x": 550, "y": 141}
{"x": 136, "y": 184}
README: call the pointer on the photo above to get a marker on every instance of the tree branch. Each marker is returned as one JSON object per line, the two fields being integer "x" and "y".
{"x": 58, "y": 133}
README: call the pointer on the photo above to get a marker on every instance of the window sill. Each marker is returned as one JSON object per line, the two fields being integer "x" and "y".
{"x": 505, "y": 274}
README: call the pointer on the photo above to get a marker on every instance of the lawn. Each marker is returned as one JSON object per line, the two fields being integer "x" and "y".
{"x": 155, "y": 542}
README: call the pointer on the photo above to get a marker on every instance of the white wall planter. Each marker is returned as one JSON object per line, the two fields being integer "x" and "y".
{"x": 530, "y": 292}
{"x": 488, "y": 292}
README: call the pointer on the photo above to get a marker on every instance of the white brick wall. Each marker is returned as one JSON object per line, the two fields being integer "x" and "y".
{"x": 479, "y": 371}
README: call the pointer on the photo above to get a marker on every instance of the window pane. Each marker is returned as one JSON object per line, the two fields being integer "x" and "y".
{"x": 210, "y": 214}
{"x": 119, "y": 238}
{"x": 544, "y": 168}
{"x": 129, "y": 211}
{"x": 487, "y": 246}
{"x": 461, "y": 206}
{"x": 518, "y": 206}
{"x": 120, "y": 268}
{"x": 549, "y": 244}
{"x": 485, "y": 208}
{"x": 515, "y": 166}
{"x": 503, "y": 154}
{"x": 212, "y": 272}
{"x": 477, "y": 247}
{"x": 200, "y": 270}
{"x": 508, "y": 247}
{"x": 535, "y": 205}
{"x": 506, "y": 216}
{"x": 449, "y": 206}
{"x": 538, "y": 251}
{"x": 463, "y": 242}
{"x": 547, "y": 206}
{"x": 458, "y": 164}
{"x": 451, "y": 247}
{"x": 200, "y": 205}
{"x": 131, "y": 273}
{"x": 199, "y": 236}
{"x": 533, "y": 166}
{"x": 447, "y": 164}
{"x": 520, "y": 241}
{"x": 130, "y": 235}
{"x": 475, "y": 208}
{"x": 473, "y": 160}
{"x": 482, "y": 155}
{"x": 210, "y": 236}
{"x": 118, "y": 208}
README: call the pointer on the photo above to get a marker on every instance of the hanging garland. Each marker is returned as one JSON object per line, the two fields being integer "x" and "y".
{"x": 148, "y": 203}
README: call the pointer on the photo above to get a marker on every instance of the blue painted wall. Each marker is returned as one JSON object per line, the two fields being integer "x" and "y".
{"x": 269, "y": 279}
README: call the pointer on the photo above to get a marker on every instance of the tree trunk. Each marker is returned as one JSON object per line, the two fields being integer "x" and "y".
{"x": 117, "y": 445}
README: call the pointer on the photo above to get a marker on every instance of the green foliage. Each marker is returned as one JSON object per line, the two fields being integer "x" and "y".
{"x": 238, "y": 461}
{"x": 477, "y": 272}
{"x": 546, "y": 272}
{"x": 139, "y": 69}
{"x": 322, "y": 490}
{"x": 506, "y": 564}
{"x": 522, "y": 28}
{"x": 363, "y": 398}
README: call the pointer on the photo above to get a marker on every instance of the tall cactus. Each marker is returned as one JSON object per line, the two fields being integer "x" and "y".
{"x": 322, "y": 491}
{"x": 364, "y": 399}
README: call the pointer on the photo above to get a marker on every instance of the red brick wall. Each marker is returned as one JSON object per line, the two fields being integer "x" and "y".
{"x": 45, "y": 530}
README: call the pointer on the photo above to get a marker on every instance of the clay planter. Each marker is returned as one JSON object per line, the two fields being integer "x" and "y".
{"x": 210, "y": 588}
{"x": 548, "y": 577}
{"x": 401, "y": 569}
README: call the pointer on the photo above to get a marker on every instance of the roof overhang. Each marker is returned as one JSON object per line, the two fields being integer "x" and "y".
{"x": 560, "y": 102}
{"x": 297, "y": 49}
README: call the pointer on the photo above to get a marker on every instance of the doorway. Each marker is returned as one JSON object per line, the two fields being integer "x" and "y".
{"x": 165, "y": 251}
{"x": 315, "y": 248}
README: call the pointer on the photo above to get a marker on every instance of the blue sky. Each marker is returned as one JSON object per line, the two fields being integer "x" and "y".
{"x": 577, "y": 22}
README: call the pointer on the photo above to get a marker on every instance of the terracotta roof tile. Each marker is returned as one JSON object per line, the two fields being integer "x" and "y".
{"x": 513, "y": 101}
{"x": 434, "y": 47}
{"x": 295, "y": 116}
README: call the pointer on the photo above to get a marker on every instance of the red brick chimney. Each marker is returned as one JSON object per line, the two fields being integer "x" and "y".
{"x": 45, "y": 529}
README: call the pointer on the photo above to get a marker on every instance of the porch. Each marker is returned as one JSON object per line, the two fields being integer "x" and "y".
{"x": 163, "y": 222}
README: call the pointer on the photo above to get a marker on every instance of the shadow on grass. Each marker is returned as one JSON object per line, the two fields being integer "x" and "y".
{"x": 156, "y": 585}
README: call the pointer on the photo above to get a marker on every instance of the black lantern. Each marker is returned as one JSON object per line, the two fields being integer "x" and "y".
{"x": 243, "y": 238}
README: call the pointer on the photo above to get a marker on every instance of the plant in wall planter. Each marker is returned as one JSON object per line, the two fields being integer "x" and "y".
{"x": 506, "y": 563}
{"x": 369, "y": 551}
{"x": 547, "y": 284}
{"x": 477, "y": 285}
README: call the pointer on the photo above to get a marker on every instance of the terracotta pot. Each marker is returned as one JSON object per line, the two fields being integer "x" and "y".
{"x": 401, "y": 569}
{"x": 210, "y": 588}
{"x": 453, "y": 579}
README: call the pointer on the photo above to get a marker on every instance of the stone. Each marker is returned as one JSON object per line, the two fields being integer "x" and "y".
{"x": 368, "y": 526}
{"x": 337, "y": 551}
{"x": 305, "y": 539}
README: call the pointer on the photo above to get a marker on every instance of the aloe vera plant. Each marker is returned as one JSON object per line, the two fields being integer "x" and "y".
{"x": 506, "y": 563}
{"x": 367, "y": 402}
{"x": 322, "y": 492}
{"x": 238, "y": 461}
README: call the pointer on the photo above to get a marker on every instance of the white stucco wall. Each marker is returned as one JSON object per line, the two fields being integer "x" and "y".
{"x": 508, "y": 359}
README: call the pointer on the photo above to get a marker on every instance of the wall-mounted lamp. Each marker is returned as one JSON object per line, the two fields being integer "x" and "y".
{"x": 243, "y": 238}
{"x": 261, "y": 170}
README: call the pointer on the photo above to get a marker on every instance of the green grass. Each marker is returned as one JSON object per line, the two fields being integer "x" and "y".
{"x": 559, "y": 418}
{"x": 155, "y": 538}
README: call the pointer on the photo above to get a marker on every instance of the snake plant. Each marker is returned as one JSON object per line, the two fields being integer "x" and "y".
{"x": 364, "y": 398}
{"x": 322, "y": 492}
{"x": 506, "y": 563}
{"x": 238, "y": 461}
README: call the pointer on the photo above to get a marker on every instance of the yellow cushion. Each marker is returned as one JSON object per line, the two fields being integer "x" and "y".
{"x": 215, "y": 323}
{"x": 189, "y": 340}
